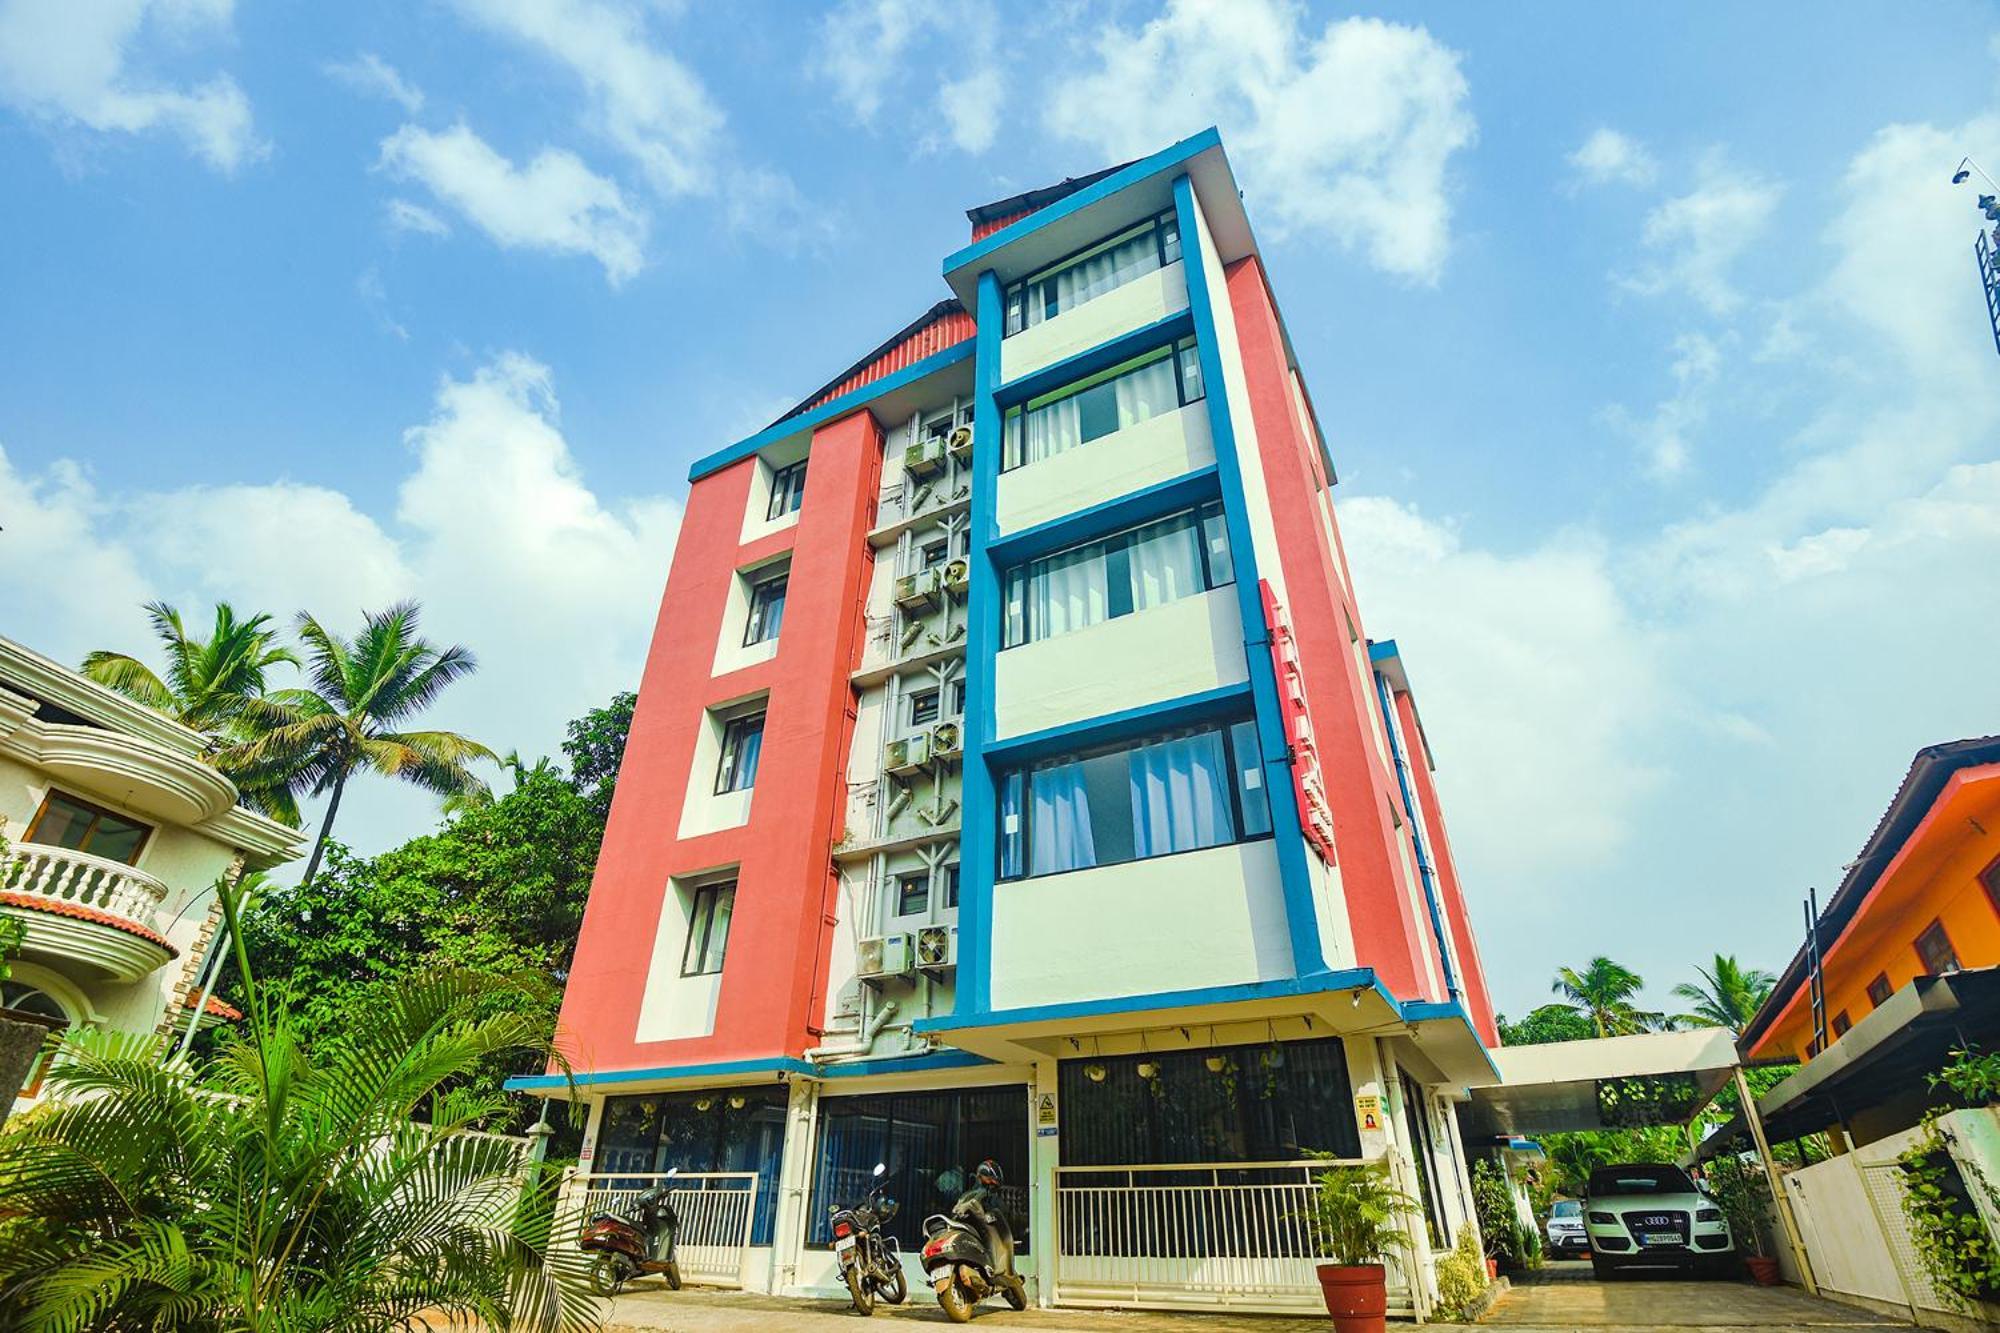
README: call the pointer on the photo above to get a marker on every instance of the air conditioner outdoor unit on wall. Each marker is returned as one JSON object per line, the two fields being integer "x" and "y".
{"x": 946, "y": 739}
{"x": 884, "y": 956}
{"x": 960, "y": 444}
{"x": 957, "y": 577}
{"x": 937, "y": 948}
{"x": 910, "y": 755}
{"x": 925, "y": 458}
{"x": 918, "y": 591}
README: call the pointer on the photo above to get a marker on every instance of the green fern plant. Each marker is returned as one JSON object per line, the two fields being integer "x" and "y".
{"x": 1357, "y": 1214}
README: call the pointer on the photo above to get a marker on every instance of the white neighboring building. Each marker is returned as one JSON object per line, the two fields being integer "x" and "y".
{"x": 119, "y": 830}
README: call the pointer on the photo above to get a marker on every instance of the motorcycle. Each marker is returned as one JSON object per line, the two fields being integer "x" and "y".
{"x": 630, "y": 1246}
{"x": 969, "y": 1252}
{"x": 870, "y": 1262}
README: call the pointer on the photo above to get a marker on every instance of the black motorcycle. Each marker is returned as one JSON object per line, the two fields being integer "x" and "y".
{"x": 870, "y": 1262}
{"x": 969, "y": 1252}
{"x": 630, "y": 1244}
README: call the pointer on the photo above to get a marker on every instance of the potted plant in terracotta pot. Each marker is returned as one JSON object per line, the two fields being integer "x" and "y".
{"x": 1745, "y": 1199}
{"x": 1357, "y": 1217}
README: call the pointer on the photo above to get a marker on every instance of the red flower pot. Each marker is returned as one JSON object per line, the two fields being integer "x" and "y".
{"x": 1357, "y": 1297}
{"x": 1763, "y": 1269}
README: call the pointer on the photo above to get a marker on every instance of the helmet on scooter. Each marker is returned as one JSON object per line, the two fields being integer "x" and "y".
{"x": 987, "y": 1173}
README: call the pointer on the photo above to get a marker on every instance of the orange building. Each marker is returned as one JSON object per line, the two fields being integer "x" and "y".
{"x": 1921, "y": 900}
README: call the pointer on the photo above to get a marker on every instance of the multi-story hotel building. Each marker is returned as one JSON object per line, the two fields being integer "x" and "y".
{"x": 1012, "y": 777}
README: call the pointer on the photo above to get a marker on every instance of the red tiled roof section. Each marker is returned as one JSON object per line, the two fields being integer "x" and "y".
{"x": 945, "y": 324}
{"x": 984, "y": 227}
{"x": 228, "y": 1013}
{"x": 35, "y": 902}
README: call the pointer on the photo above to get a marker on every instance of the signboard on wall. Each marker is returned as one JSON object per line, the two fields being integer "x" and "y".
{"x": 1315, "y": 815}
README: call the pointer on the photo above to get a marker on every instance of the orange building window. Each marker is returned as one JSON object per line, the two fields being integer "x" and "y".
{"x": 1934, "y": 948}
{"x": 1990, "y": 877}
{"x": 1840, "y": 1025}
{"x": 1879, "y": 990}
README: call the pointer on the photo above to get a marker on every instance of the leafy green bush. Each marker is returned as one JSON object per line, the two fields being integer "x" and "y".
{"x": 1461, "y": 1275}
{"x": 1745, "y": 1197}
{"x": 1974, "y": 1077}
{"x": 1951, "y": 1237}
{"x": 1357, "y": 1214}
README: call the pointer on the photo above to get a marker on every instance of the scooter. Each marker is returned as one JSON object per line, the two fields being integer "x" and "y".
{"x": 629, "y": 1246}
{"x": 869, "y": 1261}
{"x": 969, "y": 1252}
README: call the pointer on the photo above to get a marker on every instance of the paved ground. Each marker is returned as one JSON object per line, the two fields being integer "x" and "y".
{"x": 1562, "y": 1297}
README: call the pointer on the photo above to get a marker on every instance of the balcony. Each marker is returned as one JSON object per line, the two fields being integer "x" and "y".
{"x": 85, "y": 910}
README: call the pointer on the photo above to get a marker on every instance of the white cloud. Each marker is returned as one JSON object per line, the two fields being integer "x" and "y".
{"x": 1608, "y": 157}
{"x": 407, "y": 216}
{"x": 971, "y": 107}
{"x": 554, "y": 203}
{"x": 901, "y": 50}
{"x": 373, "y": 76}
{"x": 1348, "y": 133}
{"x": 70, "y": 65}
{"x": 1665, "y": 435}
{"x": 1700, "y": 234}
{"x": 643, "y": 99}
{"x": 496, "y": 532}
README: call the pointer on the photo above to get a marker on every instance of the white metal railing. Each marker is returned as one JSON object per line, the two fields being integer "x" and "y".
{"x": 717, "y": 1210}
{"x": 61, "y": 875}
{"x": 1234, "y": 1235}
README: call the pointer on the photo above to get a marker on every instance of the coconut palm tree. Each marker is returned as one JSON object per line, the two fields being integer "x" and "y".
{"x": 209, "y": 685}
{"x": 1604, "y": 991}
{"x": 1730, "y": 995}
{"x": 278, "y": 1188}
{"x": 349, "y": 719}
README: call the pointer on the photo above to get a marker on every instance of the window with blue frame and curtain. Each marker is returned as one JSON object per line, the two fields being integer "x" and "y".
{"x": 929, "y": 1142}
{"x": 1155, "y": 563}
{"x": 1162, "y": 380}
{"x": 719, "y": 1129}
{"x": 1179, "y": 791}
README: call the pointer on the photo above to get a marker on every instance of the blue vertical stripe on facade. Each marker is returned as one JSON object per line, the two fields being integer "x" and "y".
{"x": 1424, "y": 874}
{"x": 1295, "y": 876}
{"x": 976, "y": 868}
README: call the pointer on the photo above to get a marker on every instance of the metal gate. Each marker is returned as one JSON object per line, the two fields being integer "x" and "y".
{"x": 1230, "y": 1236}
{"x": 716, "y": 1209}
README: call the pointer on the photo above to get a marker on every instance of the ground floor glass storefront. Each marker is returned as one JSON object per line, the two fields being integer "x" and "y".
{"x": 929, "y": 1142}
{"x": 722, "y": 1129}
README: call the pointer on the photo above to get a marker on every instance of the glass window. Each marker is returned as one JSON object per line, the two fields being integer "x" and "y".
{"x": 1934, "y": 947}
{"x": 1158, "y": 796}
{"x": 1097, "y": 406}
{"x": 930, "y": 1142}
{"x": 956, "y": 690}
{"x": 1990, "y": 877}
{"x": 923, "y": 708}
{"x": 64, "y": 821}
{"x": 720, "y": 1129}
{"x": 742, "y": 743}
{"x": 1879, "y": 990}
{"x": 933, "y": 555}
{"x": 788, "y": 490}
{"x": 1273, "y": 1102}
{"x": 1104, "y": 267}
{"x": 913, "y": 893}
{"x": 14, "y": 995}
{"x": 1160, "y": 562}
{"x": 948, "y": 886}
{"x": 708, "y": 929}
{"x": 767, "y": 610}
{"x": 1841, "y": 1023}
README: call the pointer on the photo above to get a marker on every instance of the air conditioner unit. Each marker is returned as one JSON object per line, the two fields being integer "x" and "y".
{"x": 960, "y": 444}
{"x": 925, "y": 458}
{"x": 884, "y": 956}
{"x": 957, "y": 577}
{"x": 937, "y": 948}
{"x": 946, "y": 741}
{"x": 918, "y": 591}
{"x": 910, "y": 755}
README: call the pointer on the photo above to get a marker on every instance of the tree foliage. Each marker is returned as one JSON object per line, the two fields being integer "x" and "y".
{"x": 1728, "y": 994}
{"x": 1551, "y": 1022}
{"x": 1604, "y": 992}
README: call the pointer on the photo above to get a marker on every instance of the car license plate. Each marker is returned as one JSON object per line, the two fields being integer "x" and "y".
{"x": 843, "y": 1245}
{"x": 1660, "y": 1238}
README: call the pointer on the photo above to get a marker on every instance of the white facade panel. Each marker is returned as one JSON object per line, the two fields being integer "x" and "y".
{"x": 1157, "y": 449}
{"x": 1166, "y": 652}
{"x": 1209, "y": 918}
{"x": 676, "y": 1006}
{"x": 1142, "y": 301}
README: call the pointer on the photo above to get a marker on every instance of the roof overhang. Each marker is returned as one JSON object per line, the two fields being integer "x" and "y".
{"x": 1118, "y": 200}
{"x": 1560, "y": 1086}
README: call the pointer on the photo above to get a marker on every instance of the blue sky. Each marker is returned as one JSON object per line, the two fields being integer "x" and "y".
{"x": 1647, "y": 338}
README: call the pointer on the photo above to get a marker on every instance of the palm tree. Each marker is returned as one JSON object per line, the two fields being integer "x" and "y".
{"x": 210, "y": 685}
{"x": 348, "y": 720}
{"x": 1604, "y": 991}
{"x": 1730, "y": 997}
{"x": 281, "y": 1188}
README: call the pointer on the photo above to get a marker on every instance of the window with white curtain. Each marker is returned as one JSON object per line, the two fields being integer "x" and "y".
{"x": 1178, "y": 792}
{"x": 1160, "y": 381}
{"x": 1159, "y": 562}
{"x": 1103, "y": 267}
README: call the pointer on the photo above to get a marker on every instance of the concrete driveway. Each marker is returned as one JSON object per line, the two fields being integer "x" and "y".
{"x": 1562, "y": 1297}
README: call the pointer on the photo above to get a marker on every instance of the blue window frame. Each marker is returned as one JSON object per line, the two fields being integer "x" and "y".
{"x": 1176, "y": 792}
{"x": 1102, "y": 267}
{"x": 1161, "y": 561}
{"x": 1156, "y": 382}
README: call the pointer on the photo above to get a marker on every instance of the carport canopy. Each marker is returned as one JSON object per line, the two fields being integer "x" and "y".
{"x": 1649, "y": 1078}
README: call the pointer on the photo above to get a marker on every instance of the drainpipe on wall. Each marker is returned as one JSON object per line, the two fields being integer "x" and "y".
{"x": 1424, "y": 874}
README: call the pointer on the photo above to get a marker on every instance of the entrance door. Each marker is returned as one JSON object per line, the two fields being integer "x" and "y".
{"x": 1418, "y": 1122}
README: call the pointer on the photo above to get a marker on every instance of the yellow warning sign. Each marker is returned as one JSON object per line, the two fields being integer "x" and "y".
{"x": 1045, "y": 1109}
{"x": 1368, "y": 1110}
